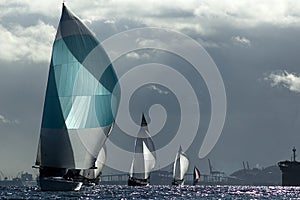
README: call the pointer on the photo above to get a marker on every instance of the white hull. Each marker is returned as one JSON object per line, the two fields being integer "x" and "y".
{"x": 58, "y": 184}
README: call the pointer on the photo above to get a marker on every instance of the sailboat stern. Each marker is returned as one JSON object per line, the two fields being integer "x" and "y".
{"x": 137, "y": 182}
{"x": 178, "y": 182}
{"x": 58, "y": 184}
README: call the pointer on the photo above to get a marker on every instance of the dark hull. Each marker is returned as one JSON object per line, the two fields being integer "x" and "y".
{"x": 58, "y": 184}
{"x": 137, "y": 182}
{"x": 290, "y": 173}
{"x": 58, "y": 179}
{"x": 177, "y": 182}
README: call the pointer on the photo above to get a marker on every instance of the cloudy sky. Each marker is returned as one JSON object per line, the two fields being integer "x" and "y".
{"x": 255, "y": 45}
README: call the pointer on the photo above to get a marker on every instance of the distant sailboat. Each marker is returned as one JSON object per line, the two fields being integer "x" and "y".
{"x": 196, "y": 175}
{"x": 144, "y": 158}
{"x": 92, "y": 176}
{"x": 180, "y": 167}
{"x": 79, "y": 106}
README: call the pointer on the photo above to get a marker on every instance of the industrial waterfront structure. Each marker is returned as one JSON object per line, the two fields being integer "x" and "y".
{"x": 290, "y": 171}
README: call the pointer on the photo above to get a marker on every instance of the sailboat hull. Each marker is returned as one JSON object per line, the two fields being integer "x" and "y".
{"x": 58, "y": 184}
{"x": 89, "y": 182}
{"x": 178, "y": 182}
{"x": 137, "y": 182}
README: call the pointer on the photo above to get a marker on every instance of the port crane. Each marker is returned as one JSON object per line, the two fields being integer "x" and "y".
{"x": 1, "y": 175}
{"x": 217, "y": 175}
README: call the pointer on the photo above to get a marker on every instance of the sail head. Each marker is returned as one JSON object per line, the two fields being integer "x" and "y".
{"x": 144, "y": 153}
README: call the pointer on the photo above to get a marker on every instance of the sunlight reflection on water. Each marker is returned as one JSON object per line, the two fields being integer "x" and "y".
{"x": 157, "y": 192}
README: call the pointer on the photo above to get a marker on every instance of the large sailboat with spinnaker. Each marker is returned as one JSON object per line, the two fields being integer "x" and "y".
{"x": 81, "y": 101}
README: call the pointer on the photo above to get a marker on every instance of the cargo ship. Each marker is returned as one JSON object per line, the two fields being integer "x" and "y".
{"x": 290, "y": 171}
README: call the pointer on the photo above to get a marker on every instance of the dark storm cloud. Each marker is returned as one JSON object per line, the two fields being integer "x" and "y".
{"x": 28, "y": 20}
{"x": 172, "y": 13}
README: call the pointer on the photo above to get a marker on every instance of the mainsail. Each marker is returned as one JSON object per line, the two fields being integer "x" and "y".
{"x": 181, "y": 165}
{"x": 144, "y": 154}
{"x": 81, "y": 98}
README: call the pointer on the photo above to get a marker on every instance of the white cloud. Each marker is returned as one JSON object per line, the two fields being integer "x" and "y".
{"x": 5, "y": 121}
{"x": 285, "y": 79}
{"x": 31, "y": 43}
{"x": 110, "y": 21}
{"x": 135, "y": 55}
{"x": 210, "y": 44}
{"x": 24, "y": 7}
{"x": 142, "y": 42}
{"x": 201, "y": 16}
{"x": 160, "y": 91}
{"x": 241, "y": 40}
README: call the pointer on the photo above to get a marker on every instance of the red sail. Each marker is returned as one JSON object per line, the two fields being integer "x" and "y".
{"x": 196, "y": 175}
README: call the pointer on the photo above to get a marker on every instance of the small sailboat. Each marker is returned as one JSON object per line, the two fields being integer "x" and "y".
{"x": 144, "y": 157}
{"x": 180, "y": 167}
{"x": 92, "y": 176}
{"x": 80, "y": 104}
{"x": 196, "y": 175}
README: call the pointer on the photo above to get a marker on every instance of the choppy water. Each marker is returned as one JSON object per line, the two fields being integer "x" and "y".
{"x": 157, "y": 192}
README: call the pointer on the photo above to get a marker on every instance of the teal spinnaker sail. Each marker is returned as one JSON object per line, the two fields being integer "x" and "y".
{"x": 81, "y": 99}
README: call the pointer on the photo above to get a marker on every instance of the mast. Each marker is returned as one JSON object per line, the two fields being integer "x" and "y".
{"x": 294, "y": 154}
{"x": 144, "y": 153}
{"x": 210, "y": 166}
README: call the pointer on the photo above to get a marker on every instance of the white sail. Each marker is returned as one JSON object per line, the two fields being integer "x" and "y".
{"x": 94, "y": 173}
{"x": 176, "y": 167}
{"x": 99, "y": 164}
{"x": 149, "y": 160}
{"x": 144, "y": 154}
{"x": 131, "y": 168}
{"x": 184, "y": 164}
{"x": 181, "y": 165}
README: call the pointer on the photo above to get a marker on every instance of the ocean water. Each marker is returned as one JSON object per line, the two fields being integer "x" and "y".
{"x": 157, "y": 192}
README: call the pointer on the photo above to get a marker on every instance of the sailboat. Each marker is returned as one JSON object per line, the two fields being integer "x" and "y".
{"x": 180, "y": 167}
{"x": 196, "y": 175}
{"x": 92, "y": 176}
{"x": 144, "y": 157}
{"x": 81, "y": 101}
